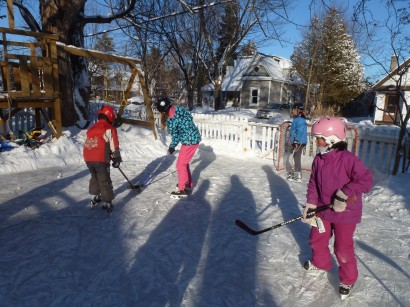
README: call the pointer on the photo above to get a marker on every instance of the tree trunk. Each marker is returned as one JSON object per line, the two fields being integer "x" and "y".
{"x": 81, "y": 78}
{"x": 62, "y": 18}
{"x": 218, "y": 99}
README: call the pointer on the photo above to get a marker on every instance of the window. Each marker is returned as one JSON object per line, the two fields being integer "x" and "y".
{"x": 254, "y": 96}
{"x": 390, "y": 107}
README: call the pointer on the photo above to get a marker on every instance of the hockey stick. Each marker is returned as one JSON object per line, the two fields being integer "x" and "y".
{"x": 149, "y": 178}
{"x": 253, "y": 232}
{"x": 134, "y": 187}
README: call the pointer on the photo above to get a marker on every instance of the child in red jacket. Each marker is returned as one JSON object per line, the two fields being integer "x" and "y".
{"x": 100, "y": 147}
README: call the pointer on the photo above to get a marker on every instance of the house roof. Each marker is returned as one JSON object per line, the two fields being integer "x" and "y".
{"x": 389, "y": 79}
{"x": 234, "y": 77}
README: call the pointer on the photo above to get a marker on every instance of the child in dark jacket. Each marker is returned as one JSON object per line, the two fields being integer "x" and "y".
{"x": 100, "y": 147}
{"x": 183, "y": 130}
{"x": 339, "y": 178}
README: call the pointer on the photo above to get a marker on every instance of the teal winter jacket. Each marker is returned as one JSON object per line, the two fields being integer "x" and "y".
{"x": 182, "y": 128}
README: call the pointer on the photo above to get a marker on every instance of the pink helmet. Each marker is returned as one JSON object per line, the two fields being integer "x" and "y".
{"x": 332, "y": 129}
{"x": 109, "y": 112}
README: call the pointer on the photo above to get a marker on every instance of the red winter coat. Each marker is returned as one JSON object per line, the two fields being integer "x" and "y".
{"x": 101, "y": 143}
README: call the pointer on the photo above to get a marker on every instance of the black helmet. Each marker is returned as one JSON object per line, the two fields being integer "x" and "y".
{"x": 163, "y": 104}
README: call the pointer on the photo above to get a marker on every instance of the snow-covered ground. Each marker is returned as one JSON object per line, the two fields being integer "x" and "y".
{"x": 155, "y": 251}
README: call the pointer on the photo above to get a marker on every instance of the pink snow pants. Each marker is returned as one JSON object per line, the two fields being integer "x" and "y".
{"x": 343, "y": 248}
{"x": 185, "y": 156}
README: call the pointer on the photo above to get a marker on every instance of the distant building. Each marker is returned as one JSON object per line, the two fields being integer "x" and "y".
{"x": 111, "y": 87}
{"x": 386, "y": 97}
{"x": 254, "y": 81}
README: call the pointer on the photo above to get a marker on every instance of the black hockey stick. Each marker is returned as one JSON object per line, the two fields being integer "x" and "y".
{"x": 253, "y": 232}
{"x": 136, "y": 187}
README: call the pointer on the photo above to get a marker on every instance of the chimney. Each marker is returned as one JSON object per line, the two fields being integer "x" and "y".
{"x": 393, "y": 62}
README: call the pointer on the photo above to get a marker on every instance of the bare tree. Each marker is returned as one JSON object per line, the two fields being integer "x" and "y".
{"x": 396, "y": 38}
{"x": 254, "y": 18}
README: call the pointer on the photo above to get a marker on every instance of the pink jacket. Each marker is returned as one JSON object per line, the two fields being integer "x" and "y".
{"x": 339, "y": 169}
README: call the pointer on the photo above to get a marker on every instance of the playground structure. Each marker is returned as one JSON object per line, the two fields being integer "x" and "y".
{"x": 29, "y": 70}
{"x": 30, "y": 78}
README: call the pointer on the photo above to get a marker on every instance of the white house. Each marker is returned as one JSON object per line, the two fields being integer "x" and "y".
{"x": 386, "y": 106}
{"x": 254, "y": 81}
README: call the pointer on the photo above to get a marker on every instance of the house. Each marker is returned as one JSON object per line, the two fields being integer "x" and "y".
{"x": 386, "y": 97}
{"x": 111, "y": 87}
{"x": 254, "y": 81}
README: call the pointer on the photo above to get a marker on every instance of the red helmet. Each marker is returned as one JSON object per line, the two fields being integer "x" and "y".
{"x": 109, "y": 112}
{"x": 332, "y": 129}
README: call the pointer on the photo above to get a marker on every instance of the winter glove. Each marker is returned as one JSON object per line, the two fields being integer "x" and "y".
{"x": 171, "y": 150}
{"x": 116, "y": 161}
{"x": 308, "y": 208}
{"x": 339, "y": 204}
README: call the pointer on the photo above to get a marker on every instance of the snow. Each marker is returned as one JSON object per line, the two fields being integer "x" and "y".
{"x": 156, "y": 251}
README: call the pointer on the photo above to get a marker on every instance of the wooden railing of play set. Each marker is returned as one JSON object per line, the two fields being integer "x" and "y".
{"x": 29, "y": 73}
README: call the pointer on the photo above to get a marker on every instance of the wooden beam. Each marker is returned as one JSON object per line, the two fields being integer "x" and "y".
{"x": 26, "y": 104}
{"x": 10, "y": 13}
{"x": 137, "y": 122}
{"x": 86, "y": 53}
{"x": 29, "y": 33}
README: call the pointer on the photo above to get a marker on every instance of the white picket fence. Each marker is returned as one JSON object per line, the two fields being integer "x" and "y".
{"x": 375, "y": 147}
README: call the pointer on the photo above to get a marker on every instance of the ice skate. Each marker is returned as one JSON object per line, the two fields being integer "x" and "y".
{"x": 107, "y": 206}
{"x": 95, "y": 200}
{"x": 308, "y": 266}
{"x": 345, "y": 290}
{"x": 297, "y": 177}
{"x": 179, "y": 194}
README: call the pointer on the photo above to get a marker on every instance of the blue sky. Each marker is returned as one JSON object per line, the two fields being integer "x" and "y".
{"x": 299, "y": 14}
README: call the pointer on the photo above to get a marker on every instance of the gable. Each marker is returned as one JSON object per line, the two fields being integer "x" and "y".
{"x": 256, "y": 69}
{"x": 390, "y": 79}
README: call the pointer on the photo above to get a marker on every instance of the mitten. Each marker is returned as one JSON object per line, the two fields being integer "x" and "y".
{"x": 116, "y": 161}
{"x": 171, "y": 150}
{"x": 339, "y": 204}
{"x": 308, "y": 208}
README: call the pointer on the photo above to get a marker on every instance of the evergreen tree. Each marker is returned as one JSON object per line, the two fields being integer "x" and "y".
{"x": 329, "y": 62}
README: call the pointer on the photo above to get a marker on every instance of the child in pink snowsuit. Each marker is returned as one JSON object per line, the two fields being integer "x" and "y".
{"x": 183, "y": 130}
{"x": 339, "y": 178}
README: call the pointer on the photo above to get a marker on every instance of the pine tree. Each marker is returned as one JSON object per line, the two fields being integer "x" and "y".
{"x": 327, "y": 58}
